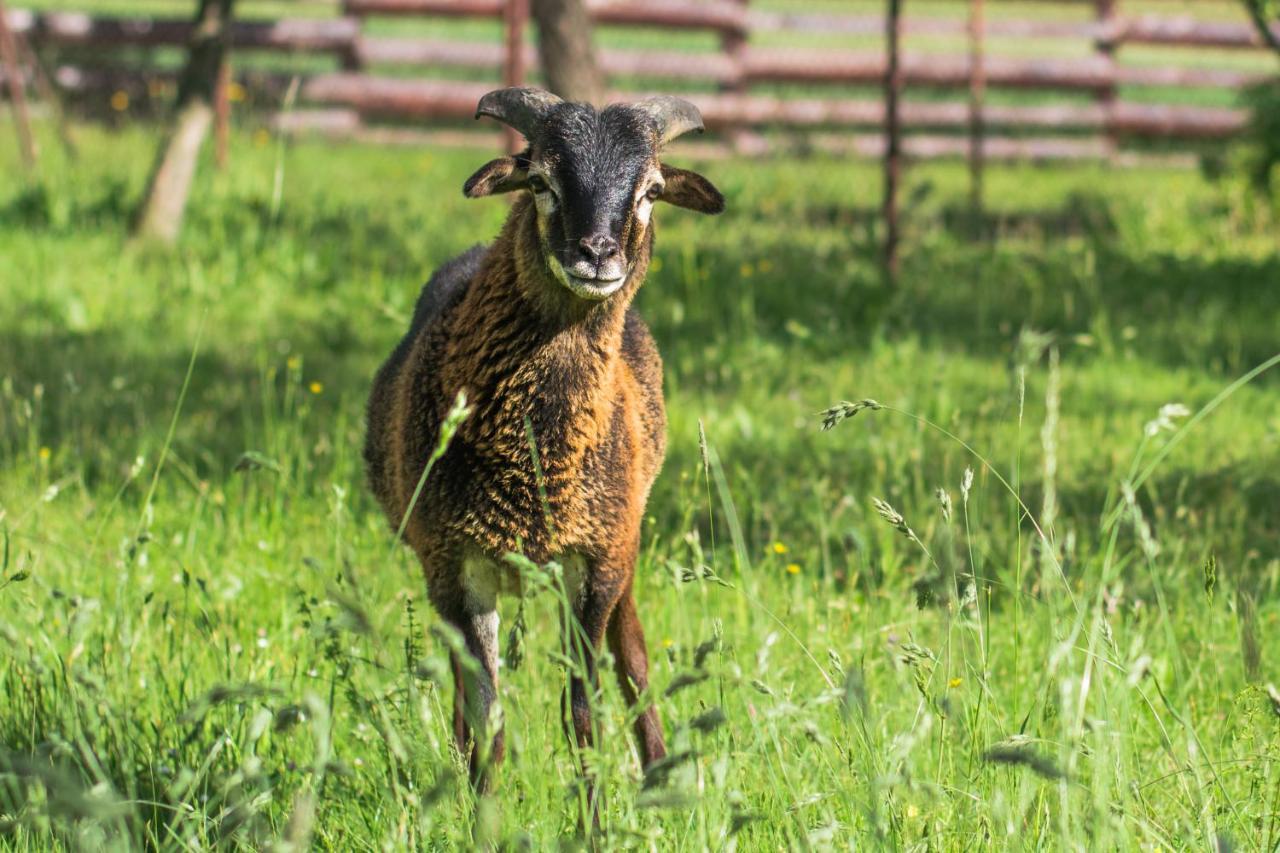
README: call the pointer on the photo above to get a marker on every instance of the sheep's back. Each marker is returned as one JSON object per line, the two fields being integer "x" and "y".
{"x": 443, "y": 290}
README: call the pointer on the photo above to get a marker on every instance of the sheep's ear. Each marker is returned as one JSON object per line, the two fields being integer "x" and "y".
{"x": 504, "y": 175}
{"x": 690, "y": 190}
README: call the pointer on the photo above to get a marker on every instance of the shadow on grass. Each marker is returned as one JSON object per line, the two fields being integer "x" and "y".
{"x": 971, "y": 284}
{"x": 100, "y": 399}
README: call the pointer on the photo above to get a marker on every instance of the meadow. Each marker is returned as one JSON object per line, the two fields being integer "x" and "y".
{"x": 1026, "y": 600}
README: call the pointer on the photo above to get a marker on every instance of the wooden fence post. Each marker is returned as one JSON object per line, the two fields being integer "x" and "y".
{"x": 977, "y": 95}
{"x": 350, "y": 56}
{"x": 1105, "y": 46}
{"x": 515, "y": 18}
{"x": 222, "y": 114}
{"x": 734, "y": 45}
{"x": 893, "y": 135}
{"x": 17, "y": 91}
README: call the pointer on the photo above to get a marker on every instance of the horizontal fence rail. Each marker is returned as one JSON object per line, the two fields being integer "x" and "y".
{"x": 362, "y": 92}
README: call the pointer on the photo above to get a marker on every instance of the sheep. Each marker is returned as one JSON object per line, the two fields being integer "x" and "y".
{"x": 538, "y": 331}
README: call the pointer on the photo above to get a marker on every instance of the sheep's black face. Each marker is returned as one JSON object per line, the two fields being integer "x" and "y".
{"x": 594, "y": 176}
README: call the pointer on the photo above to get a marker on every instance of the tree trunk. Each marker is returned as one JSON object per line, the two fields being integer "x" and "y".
{"x": 160, "y": 215}
{"x": 566, "y": 52}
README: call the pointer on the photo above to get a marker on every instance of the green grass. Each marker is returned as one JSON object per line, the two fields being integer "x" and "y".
{"x": 212, "y": 638}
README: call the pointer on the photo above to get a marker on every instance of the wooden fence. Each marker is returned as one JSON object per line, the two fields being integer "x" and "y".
{"x": 757, "y": 97}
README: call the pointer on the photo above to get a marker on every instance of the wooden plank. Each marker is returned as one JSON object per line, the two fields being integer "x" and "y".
{"x": 1177, "y": 77}
{"x": 718, "y": 15}
{"x": 1186, "y": 30}
{"x": 866, "y": 67}
{"x": 873, "y": 25}
{"x": 397, "y": 50}
{"x": 432, "y": 8}
{"x": 76, "y": 29}
{"x": 319, "y": 122}
{"x": 1143, "y": 29}
{"x": 391, "y": 96}
{"x": 1173, "y": 121}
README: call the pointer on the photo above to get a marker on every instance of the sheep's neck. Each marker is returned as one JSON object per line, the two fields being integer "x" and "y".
{"x": 524, "y": 348}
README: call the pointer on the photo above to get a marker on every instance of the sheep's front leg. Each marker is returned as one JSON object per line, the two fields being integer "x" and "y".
{"x": 593, "y": 606}
{"x": 472, "y": 610}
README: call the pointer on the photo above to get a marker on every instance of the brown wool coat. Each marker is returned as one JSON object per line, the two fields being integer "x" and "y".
{"x": 588, "y": 379}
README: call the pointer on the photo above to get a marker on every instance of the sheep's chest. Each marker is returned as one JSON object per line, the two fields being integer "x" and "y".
{"x": 491, "y": 491}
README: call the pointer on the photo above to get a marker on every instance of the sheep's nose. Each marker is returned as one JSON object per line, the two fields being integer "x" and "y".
{"x": 598, "y": 247}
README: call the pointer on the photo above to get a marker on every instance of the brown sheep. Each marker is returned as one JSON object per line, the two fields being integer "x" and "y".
{"x": 537, "y": 330}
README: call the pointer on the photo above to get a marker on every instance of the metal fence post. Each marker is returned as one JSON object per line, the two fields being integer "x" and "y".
{"x": 734, "y": 45}
{"x": 893, "y": 135}
{"x": 977, "y": 95}
{"x": 1105, "y": 44}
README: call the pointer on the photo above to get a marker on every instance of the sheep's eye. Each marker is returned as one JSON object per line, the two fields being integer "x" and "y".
{"x": 538, "y": 184}
{"x": 653, "y": 192}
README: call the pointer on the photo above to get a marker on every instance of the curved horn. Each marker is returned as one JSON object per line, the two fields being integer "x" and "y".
{"x": 671, "y": 116}
{"x": 521, "y": 108}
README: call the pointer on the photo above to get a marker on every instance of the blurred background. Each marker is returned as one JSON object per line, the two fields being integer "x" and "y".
{"x": 1120, "y": 81}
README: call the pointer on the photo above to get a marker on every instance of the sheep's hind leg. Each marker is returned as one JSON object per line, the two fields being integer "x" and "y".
{"x": 631, "y": 660}
{"x": 472, "y": 610}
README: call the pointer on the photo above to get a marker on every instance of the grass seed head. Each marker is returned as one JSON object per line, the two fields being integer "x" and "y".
{"x": 944, "y": 501}
{"x": 1150, "y": 547}
{"x": 1022, "y": 754}
{"x": 709, "y": 721}
{"x": 1164, "y": 419}
{"x": 1210, "y": 575}
{"x": 895, "y": 518}
{"x": 845, "y": 410}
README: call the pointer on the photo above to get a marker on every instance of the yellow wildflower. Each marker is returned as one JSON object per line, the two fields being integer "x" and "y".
{"x": 316, "y": 387}
{"x": 779, "y": 548}
{"x": 793, "y": 568}
{"x": 955, "y": 682}
{"x": 44, "y": 454}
